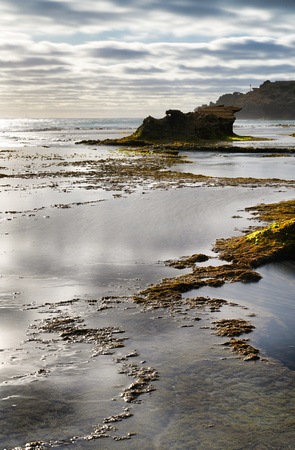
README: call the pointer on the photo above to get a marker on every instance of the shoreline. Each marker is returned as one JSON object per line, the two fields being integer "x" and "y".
{"x": 187, "y": 146}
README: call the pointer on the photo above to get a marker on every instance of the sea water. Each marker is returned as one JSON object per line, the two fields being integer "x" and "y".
{"x": 60, "y": 241}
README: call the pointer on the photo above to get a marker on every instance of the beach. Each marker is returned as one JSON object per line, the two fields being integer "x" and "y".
{"x": 83, "y": 230}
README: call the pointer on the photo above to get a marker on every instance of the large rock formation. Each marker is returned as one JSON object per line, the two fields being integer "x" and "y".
{"x": 211, "y": 122}
{"x": 206, "y": 123}
{"x": 272, "y": 101}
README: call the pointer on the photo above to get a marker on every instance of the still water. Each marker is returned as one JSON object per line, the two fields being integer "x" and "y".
{"x": 62, "y": 242}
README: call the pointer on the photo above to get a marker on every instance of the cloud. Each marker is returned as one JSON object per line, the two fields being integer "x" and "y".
{"x": 137, "y": 58}
{"x": 149, "y": 18}
{"x": 114, "y": 53}
{"x": 137, "y": 78}
{"x": 139, "y": 70}
{"x": 29, "y": 62}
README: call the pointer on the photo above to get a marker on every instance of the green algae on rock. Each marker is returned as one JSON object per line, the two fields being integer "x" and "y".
{"x": 241, "y": 347}
{"x": 273, "y": 212}
{"x": 169, "y": 291}
{"x": 70, "y": 330}
{"x": 232, "y": 327}
{"x": 273, "y": 243}
{"x": 187, "y": 261}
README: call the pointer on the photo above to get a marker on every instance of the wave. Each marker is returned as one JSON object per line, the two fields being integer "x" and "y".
{"x": 264, "y": 124}
{"x": 66, "y": 125}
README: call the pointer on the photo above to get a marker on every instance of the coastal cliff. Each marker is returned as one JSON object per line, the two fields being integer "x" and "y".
{"x": 271, "y": 101}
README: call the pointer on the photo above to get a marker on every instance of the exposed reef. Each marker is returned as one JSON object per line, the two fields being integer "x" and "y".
{"x": 208, "y": 123}
{"x": 188, "y": 261}
{"x": 274, "y": 212}
{"x": 170, "y": 291}
{"x": 273, "y": 243}
{"x": 70, "y": 328}
{"x": 241, "y": 347}
{"x": 142, "y": 384}
{"x": 232, "y": 327}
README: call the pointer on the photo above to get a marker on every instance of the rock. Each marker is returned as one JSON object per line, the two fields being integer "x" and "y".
{"x": 271, "y": 101}
{"x": 206, "y": 123}
{"x": 178, "y": 129}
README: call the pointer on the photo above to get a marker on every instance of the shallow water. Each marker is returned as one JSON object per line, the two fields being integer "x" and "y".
{"x": 239, "y": 165}
{"x": 205, "y": 397}
{"x": 277, "y": 131}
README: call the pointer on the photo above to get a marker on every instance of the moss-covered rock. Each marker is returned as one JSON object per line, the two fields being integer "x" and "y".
{"x": 273, "y": 243}
{"x": 273, "y": 212}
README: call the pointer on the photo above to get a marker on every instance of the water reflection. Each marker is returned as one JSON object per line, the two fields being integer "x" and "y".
{"x": 112, "y": 248}
{"x": 238, "y": 165}
{"x": 273, "y": 301}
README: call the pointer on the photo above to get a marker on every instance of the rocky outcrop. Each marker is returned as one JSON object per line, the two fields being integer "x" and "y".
{"x": 272, "y": 101}
{"x": 177, "y": 128}
{"x": 211, "y": 122}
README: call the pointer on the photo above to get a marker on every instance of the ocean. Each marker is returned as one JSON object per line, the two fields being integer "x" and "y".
{"x": 74, "y": 248}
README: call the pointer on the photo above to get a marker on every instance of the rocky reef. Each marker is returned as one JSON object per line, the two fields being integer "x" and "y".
{"x": 207, "y": 123}
{"x": 273, "y": 243}
{"x": 271, "y": 101}
{"x": 211, "y": 122}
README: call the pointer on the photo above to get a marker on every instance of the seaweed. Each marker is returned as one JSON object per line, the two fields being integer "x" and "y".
{"x": 273, "y": 243}
{"x": 232, "y": 327}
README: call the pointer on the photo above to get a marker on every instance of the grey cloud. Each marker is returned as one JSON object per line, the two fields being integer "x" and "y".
{"x": 118, "y": 53}
{"x": 60, "y": 12}
{"x": 142, "y": 70}
{"x": 202, "y": 9}
{"x": 268, "y": 4}
{"x": 42, "y": 72}
{"x": 30, "y": 62}
{"x": 199, "y": 9}
{"x": 258, "y": 70}
{"x": 66, "y": 13}
{"x": 250, "y": 48}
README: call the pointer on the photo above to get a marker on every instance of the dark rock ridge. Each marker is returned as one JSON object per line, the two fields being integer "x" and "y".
{"x": 211, "y": 122}
{"x": 271, "y": 101}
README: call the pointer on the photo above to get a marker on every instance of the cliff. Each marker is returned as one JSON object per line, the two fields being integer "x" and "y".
{"x": 272, "y": 101}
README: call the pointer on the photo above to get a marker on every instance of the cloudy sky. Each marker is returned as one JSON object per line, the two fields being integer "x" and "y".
{"x": 132, "y": 58}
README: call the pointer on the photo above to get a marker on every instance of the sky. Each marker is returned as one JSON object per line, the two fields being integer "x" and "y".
{"x": 134, "y": 58}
